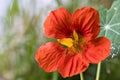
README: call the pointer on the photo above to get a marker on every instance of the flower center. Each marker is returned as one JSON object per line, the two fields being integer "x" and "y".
{"x": 75, "y": 43}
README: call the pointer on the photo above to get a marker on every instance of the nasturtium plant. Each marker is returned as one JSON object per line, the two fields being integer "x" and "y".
{"x": 78, "y": 32}
{"x": 110, "y": 26}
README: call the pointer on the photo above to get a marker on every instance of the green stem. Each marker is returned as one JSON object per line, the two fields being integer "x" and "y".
{"x": 55, "y": 76}
{"x": 98, "y": 71}
{"x": 81, "y": 76}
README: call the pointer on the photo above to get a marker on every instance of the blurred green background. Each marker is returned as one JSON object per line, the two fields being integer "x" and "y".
{"x": 21, "y": 33}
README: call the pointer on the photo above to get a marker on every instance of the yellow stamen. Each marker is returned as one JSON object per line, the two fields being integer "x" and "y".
{"x": 66, "y": 41}
{"x": 75, "y": 35}
{"x": 75, "y": 43}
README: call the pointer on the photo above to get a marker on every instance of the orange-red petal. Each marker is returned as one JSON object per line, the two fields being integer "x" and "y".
{"x": 86, "y": 22}
{"x": 49, "y": 55}
{"x": 72, "y": 65}
{"x": 57, "y": 25}
{"x": 98, "y": 50}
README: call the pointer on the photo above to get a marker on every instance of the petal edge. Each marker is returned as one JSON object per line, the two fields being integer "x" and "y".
{"x": 99, "y": 49}
{"x": 57, "y": 24}
{"x": 49, "y": 55}
{"x": 86, "y": 20}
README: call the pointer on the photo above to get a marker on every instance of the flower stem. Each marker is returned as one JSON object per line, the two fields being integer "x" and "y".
{"x": 55, "y": 76}
{"x": 81, "y": 76}
{"x": 98, "y": 71}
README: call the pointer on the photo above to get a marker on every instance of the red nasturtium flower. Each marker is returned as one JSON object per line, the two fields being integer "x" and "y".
{"x": 77, "y": 43}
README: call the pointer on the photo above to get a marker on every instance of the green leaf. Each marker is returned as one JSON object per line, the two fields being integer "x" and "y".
{"x": 110, "y": 25}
